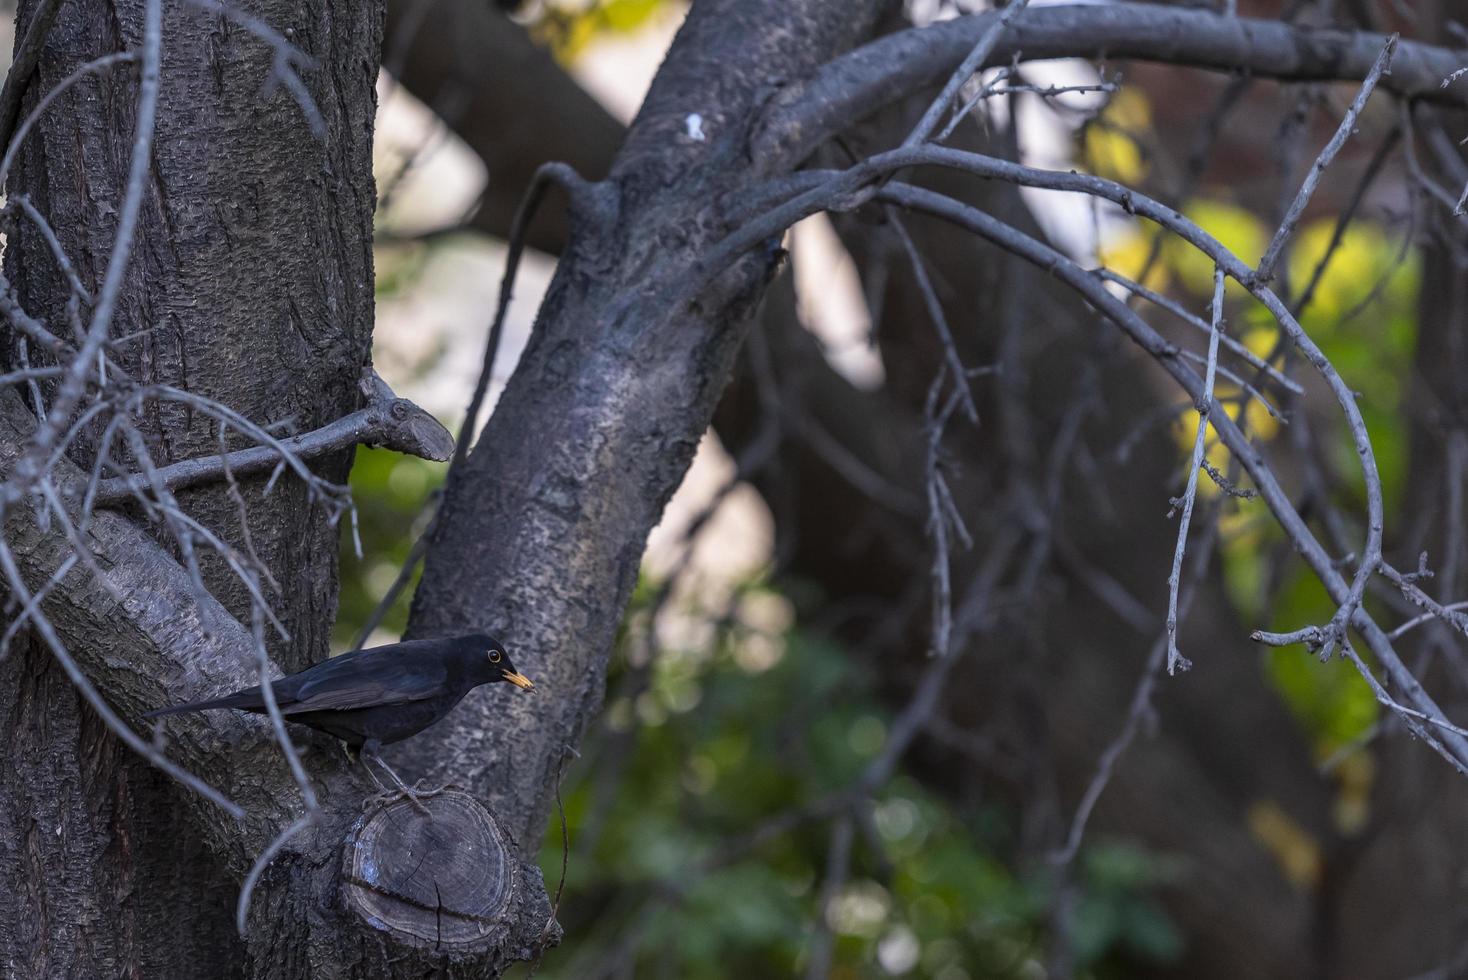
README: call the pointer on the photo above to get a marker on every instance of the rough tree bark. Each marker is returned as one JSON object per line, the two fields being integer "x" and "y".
{"x": 251, "y": 284}
{"x": 235, "y": 294}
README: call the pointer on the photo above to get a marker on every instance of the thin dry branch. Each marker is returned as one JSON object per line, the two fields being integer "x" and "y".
{"x": 1452, "y": 747}
{"x": 15, "y": 582}
{"x": 975, "y": 60}
{"x": 816, "y": 190}
{"x": 27, "y": 56}
{"x": 388, "y": 421}
{"x": 935, "y": 313}
{"x": 48, "y": 235}
{"x": 1343, "y": 132}
{"x": 580, "y": 193}
{"x": 1175, "y": 659}
{"x": 95, "y": 65}
{"x": 1137, "y": 712}
{"x": 1177, "y": 310}
{"x": 288, "y": 60}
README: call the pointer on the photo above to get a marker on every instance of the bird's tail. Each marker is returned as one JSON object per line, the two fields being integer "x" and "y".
{"x": 240, "y": 699}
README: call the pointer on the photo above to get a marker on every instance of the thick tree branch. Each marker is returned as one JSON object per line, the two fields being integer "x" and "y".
{"x": 141, "y": 635}
{"x": 542, "y": 530}
{"x": 806, "y": 114}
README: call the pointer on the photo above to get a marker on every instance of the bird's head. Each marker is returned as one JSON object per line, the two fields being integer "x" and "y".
{"x": 500, "y": 667}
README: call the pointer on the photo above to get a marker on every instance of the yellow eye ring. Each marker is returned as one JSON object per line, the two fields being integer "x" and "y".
{"x": 494, "y": 656}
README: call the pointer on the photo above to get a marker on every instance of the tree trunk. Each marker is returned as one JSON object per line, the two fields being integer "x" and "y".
{"x": 251, "y": 283}
{"x": 542, "y": 531}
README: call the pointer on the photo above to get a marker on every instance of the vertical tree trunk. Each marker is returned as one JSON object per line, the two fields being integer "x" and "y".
{"x": 251, "y": 282}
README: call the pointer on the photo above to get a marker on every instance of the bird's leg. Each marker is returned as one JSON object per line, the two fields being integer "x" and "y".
{"x": 361, "y": 760}
{"x": 369, "y": 751}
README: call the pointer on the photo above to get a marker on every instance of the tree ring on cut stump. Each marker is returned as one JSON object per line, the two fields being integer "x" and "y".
{"x": 442, "y": 880}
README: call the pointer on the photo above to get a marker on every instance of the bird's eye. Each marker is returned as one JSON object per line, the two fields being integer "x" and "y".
{"x": 494, "y": 656}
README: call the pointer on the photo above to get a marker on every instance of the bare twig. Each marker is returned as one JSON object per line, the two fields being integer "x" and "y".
{"x": 1453, "y": 748}
{"x": 838, "y": 866}
{"x": 965, "y": 70}
{"x": 1137, "y": 712}
{"x": 69, "y": 392}
{"x": 1426, "y": 617}
{"x": 288, "y": 60}
{"x": 1414, "y": 594}
{"x": 401, "y": 580}
{"x": 1175, "y": 659}
{"x": 242, "y": 904}
{"x": 169, "y": 508}
{"x": 1177, "y": 310}
{"x": 242, "y": 511}
{"x": 1247, "y": 387}
{"x": 48, "y": 234}
{"x": 941, "y": 515}
{"x": 1343, "y": 220}
{"x": 272, "y": 708}
{"x": 1312, "y": 179}
{"x": 836, "y": 189}
{"x": 22, "y": 616}
{"x": 548, "y": 174}
{"x": 95, "y": 65}
{"x": 935, "y": 313}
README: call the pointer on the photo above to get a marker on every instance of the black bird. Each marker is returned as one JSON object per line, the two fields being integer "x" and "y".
{"x": 371, "y": 698}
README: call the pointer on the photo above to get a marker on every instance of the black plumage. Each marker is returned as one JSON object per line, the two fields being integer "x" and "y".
{"x": 370, "y": 698}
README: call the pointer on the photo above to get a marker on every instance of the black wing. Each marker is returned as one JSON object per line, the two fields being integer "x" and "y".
{"x": 365, "y": 679}
{"x": 383, "y": 675}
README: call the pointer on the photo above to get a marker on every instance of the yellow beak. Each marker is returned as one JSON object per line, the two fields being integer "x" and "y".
{"x": 519, "y": 680}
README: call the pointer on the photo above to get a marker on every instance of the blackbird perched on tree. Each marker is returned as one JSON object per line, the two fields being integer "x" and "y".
{"x": 370, "y": 698}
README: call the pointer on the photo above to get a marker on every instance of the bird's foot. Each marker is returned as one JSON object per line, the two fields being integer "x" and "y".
{"x": 415, "y": 799}
{"x": 391, "y": 794}
{"x": 369, "y": 751}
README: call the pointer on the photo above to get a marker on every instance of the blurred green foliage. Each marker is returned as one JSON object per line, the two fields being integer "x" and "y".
{"x": 730, "y": 734}
{"x": 706, "y": 742}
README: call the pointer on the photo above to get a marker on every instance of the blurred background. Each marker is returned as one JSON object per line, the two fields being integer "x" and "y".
{"x": 1265, "y": 810}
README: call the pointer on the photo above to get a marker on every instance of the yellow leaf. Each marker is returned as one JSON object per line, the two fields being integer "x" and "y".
{"x": 1126, "y": 253}
{"x": 1235, "y": 228}
{"x": 1110, "y": 145}
{"x": 1354, "y": 777}
{"x": 1294, "y": 850}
